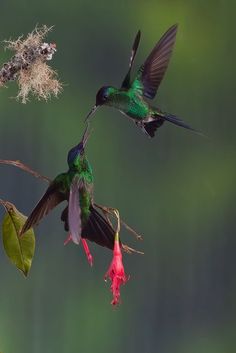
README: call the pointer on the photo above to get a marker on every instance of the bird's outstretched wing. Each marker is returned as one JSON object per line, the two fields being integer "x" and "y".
{"x": 74, "y": 211}
{"x": 126, "y": 82}
{"x": 50, "y": 199}
{"x": 153, "y": 70}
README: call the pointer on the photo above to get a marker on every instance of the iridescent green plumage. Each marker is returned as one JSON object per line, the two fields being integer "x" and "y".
{"x": 130, "y": 99}
{"x": 80, "y": 169}
{"x": 128, "y": 102}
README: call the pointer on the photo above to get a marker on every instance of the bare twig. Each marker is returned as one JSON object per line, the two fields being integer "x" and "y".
{"x": 115, "y": 212}
{"x": 3, "y": 202}
{"x": 130, "y": 250}
{"x": 131, "y": 230}
{"x": 24, "y": 167}
{"x": 7, "y": 205}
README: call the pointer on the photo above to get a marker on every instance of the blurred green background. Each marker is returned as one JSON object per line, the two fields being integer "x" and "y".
{"x": 178, "y": 189}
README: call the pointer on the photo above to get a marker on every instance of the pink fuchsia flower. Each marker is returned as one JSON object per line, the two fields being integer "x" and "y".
{"x": 116, "y": 272}
{"x": 85, "y": 246}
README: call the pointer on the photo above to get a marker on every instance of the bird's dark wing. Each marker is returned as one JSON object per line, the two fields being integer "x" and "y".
{"x": 126, "y": 82}
{"x": 98, "y": 230}
{"x": 153, "y": 70}
{"x": 74, "y": 211}
{"x": 50, "y": 199}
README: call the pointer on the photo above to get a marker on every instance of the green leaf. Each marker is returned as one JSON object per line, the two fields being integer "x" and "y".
{"x": 19, "y": 249}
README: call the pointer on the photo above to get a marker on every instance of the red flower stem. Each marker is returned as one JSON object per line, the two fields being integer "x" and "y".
{"x": 87, "y": 252}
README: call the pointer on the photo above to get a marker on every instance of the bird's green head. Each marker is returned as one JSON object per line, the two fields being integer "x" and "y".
{"x": 103, "y": 97}
{"x": 77, "y": 153}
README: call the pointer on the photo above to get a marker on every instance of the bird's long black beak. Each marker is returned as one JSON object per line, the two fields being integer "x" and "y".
{"x": 92, "y": 111}
{"x": 86, "y": 135}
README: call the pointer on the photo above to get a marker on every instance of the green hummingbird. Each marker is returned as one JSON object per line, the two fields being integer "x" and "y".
{"x": 75, "y": 186}
{"x": 130, "y": 99}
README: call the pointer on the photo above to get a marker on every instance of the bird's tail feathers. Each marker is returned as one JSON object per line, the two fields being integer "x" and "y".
{"x": 179, "y": 122}
{"x": 159, "y": 118}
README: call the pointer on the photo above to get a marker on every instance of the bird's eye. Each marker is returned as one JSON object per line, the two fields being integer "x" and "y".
{"x": 105, "y": 96}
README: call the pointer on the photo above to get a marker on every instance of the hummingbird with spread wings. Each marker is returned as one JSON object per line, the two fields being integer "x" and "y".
{"x": 130, "y": 98}
{"x": 80, "y": 217}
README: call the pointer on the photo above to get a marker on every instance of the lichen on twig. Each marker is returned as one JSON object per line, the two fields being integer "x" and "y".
{"x": 29, "y": 66}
